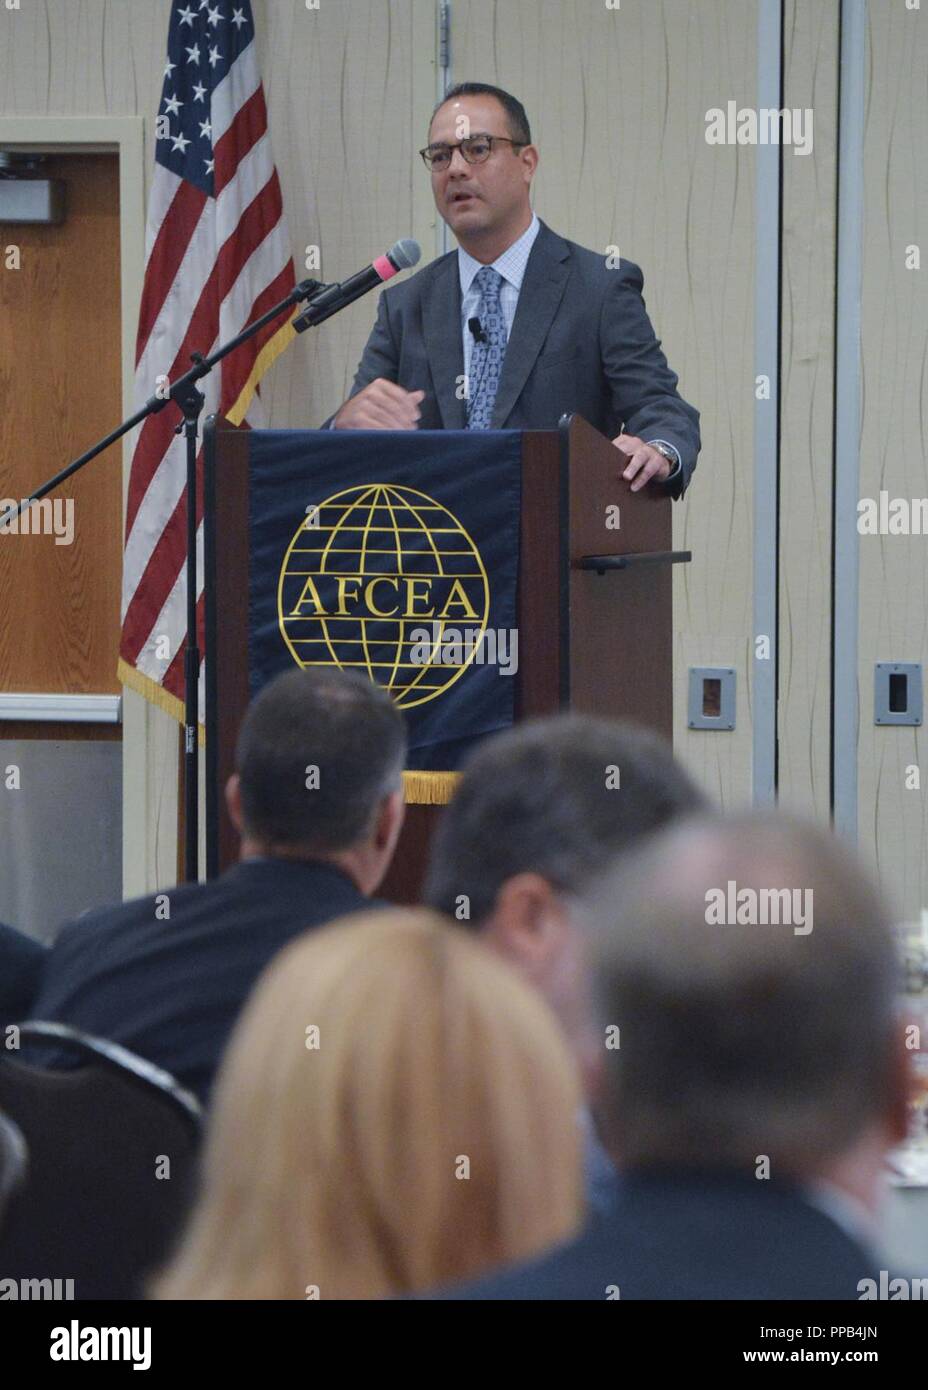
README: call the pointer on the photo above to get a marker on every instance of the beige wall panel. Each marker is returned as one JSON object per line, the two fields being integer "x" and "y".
{"x": 892, "y": 821}
{"x": 83, "y": 58}
{"x": 350, "y": 88}
{"x": 617, "y": 101}
{"x": 806, "y": 412}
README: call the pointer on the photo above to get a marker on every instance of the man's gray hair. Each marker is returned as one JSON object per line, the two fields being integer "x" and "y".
{"x": 558, "y": 797}
{"x": 729, "y": 1037}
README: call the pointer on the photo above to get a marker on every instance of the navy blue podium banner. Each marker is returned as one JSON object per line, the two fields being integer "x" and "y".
{"x": 395, "y": 555}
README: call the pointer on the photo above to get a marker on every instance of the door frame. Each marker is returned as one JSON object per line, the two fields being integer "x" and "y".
{"x": 125, "y": 137}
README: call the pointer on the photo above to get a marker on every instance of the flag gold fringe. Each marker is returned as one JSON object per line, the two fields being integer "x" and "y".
{"x": 429, "y": 788}
{"x": 268, "y": 354}
{"x": 128, "y": 675}
{"x": 155, "y": 694}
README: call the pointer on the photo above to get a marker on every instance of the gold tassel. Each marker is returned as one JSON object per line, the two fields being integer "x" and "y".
{"x": 429, "y": 788}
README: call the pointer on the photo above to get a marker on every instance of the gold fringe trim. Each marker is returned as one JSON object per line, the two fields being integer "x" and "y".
{"x": 429, "y": 788}
{"x": 268, "y": 354}
{"x": 155, "y": 694}
{"x": 149, "y": 689}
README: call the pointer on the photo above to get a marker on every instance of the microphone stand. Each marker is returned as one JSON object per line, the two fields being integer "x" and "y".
{"x": 190, "y": 401}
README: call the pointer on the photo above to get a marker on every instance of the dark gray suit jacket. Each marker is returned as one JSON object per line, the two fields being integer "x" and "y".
{"x": 581, "y": 342}
{"x": 679, "y": 1235}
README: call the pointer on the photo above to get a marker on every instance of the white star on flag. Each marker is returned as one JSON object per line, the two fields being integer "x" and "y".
{"x": 238, "y": 19}
{"x": 218, "y": 255}
{"x": 169, "y": 68}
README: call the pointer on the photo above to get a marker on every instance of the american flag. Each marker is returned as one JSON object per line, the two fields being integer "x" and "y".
{"x": 217, "y": 257}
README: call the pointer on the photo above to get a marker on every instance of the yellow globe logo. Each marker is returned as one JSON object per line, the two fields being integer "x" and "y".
{"x": 368, "y": 572}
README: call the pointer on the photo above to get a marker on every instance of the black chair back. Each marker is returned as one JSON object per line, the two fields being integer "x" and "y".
{"x": 112, "y": 1144}
{"x": 14, "y": 1159}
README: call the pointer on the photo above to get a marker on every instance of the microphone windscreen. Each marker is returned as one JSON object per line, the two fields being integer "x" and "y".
{"x": 405, "y": 253}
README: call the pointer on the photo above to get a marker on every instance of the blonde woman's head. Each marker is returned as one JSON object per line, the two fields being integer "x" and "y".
{"x": 397, "y": 1110}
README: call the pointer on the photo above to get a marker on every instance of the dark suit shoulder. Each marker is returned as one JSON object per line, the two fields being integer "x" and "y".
{"x": 16, "y": 947}
{"x": 593, "y": 269}
{"x": 568, "y": 1272}
{"x": 166, "y": 975}
{"x": 22, "y": 963}
{"x": 100, "y": 923}
{"x": 410, "y": 290}
{"x": 252, "y": 909}
{"x": 691, "y": 1239}
{"x": 590, "y": 263}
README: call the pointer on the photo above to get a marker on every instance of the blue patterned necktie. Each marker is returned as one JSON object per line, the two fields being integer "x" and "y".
{"x": 486, "y": 362}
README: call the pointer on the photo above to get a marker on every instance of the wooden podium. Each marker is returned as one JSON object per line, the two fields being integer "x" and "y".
{"x": 594, "y": 607}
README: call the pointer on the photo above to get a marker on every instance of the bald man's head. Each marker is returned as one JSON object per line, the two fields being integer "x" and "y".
{"x": 749, "y": 967}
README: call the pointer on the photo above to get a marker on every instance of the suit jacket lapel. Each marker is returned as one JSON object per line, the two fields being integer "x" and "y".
{"x": 441, "y": 329}
{"x": 541, "y": 293}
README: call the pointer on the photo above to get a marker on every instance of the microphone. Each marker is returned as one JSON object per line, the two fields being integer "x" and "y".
{"x": 476, "y": 328}
{"x": 332, "y": 298}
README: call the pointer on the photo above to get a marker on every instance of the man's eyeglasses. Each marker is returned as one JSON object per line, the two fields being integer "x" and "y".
{"x": 475, "y": 149}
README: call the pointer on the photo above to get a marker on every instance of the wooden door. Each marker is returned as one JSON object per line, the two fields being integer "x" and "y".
{"x": 60, "y": 389}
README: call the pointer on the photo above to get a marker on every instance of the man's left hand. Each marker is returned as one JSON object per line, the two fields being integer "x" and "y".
{"x": 644, "y": 461}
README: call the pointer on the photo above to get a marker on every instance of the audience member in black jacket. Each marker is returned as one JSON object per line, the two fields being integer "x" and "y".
{"x": 22, "y": 961}
{"x": 754, "y": 1073}
{"x": 318, "y": 799}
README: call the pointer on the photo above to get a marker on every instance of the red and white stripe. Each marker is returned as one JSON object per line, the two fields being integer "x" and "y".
{"x": 213, "y": 265}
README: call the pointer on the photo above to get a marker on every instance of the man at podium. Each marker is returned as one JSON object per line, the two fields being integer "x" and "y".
{"x": 518, "y": 326}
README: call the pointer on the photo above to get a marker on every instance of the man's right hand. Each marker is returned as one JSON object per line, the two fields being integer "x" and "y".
{"x": 380, "y": 406}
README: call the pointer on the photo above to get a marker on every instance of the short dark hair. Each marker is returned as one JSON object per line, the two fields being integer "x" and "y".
{"x": 557, "y": 797}
{"x": 337, "y": 722}
{"x": 516, "y": 118}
